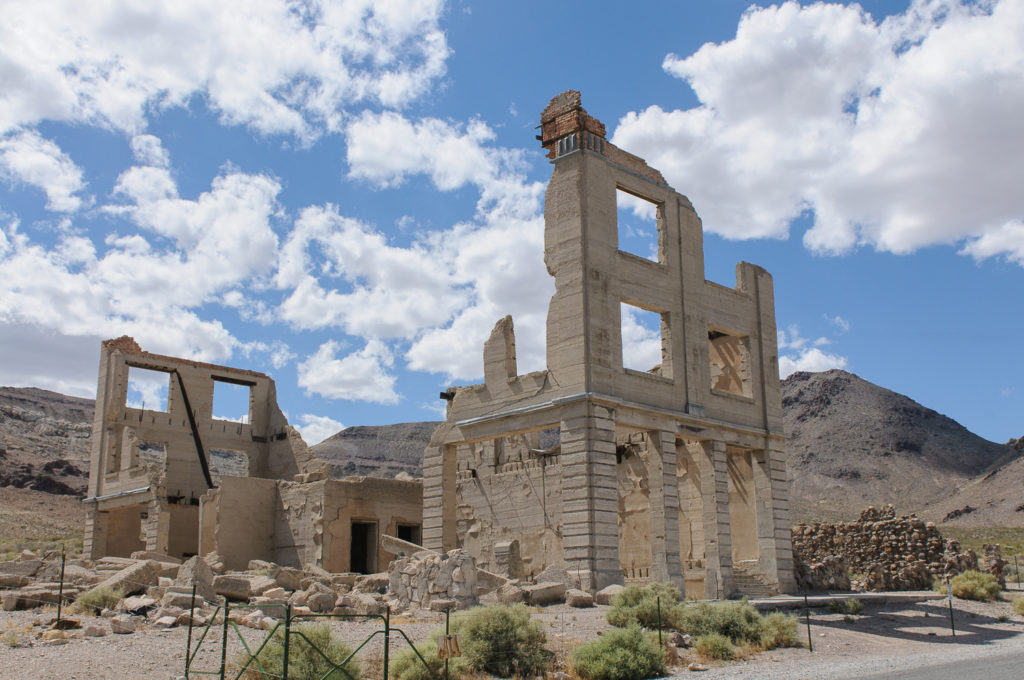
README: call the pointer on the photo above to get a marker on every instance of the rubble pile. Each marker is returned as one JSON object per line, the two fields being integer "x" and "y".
{"x": 992, "y": 562}
{"x": 431, "y": 580}
{"x": 877, "y": 552}
{"x": 156, "y": 590}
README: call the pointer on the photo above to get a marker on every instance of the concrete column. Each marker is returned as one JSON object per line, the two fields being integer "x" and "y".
{"x": 773, "y": 525}
{"x": 590, "y": 504}
{"x": 439, "y": 497}
{"x": 664, "y": 496}
{"x": 95, "y": 543}
{"x": 717, "y": 539}
{"x": 157, "y": 526}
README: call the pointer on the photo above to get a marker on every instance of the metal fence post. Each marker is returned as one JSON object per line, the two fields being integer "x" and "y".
{"x": 447, "y": 635}
{"x": 188, "y": 640}
{"x": 659, "y": 623}
{"x": 60, "y": 589}
{"x": 224, "y": 640}
{"x": 287, "y": 638}
{"x": 807, "y": 614}
{"x": 387, "y": 637}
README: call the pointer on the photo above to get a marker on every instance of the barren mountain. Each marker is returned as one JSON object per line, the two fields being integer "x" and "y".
{"x": 379, "y": 451}
{"x": 44, "y": 440}
{"x": 853, "y": 444}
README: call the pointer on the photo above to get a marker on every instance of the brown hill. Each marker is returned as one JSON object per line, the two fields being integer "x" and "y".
{"x": 379, "y": 451}
{"x": 853, "y": 444}
{"x": 44, "y": 440}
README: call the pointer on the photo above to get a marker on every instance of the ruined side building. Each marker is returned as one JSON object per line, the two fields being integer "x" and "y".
{"x": 154, "y": 483}
{"x": 672, "y": 474}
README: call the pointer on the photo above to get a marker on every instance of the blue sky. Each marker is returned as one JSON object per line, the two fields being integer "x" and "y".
{"x": 348, "y": 195}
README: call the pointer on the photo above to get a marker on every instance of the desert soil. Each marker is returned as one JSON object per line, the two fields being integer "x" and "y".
{"x": 882, "y": 639}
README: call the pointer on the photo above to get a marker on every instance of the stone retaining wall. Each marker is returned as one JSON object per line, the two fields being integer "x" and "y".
{"x": 879, "y": 551}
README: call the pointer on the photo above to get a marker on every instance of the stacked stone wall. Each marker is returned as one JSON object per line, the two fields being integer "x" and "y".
{"x": 428, "y": 578}
{"x": 877, "y": 552}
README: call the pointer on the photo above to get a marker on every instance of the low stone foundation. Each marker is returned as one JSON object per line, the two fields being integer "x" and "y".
{"x": 877, "y": 552}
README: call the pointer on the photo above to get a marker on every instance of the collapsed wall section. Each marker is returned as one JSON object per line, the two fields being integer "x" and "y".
{"x": 151, "y": 463}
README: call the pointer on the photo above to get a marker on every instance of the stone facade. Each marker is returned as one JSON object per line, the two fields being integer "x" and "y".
{"x": 668, "y": 474}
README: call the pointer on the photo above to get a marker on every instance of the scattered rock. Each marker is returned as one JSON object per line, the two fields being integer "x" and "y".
{"x": 122, "y": 624}
{"x": 545, "y": 593}
{"x": 605, "y": 595}
{"x": 578, "y": 598}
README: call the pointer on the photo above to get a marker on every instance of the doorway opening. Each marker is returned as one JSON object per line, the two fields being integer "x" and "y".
{"x": 364, "y": 544}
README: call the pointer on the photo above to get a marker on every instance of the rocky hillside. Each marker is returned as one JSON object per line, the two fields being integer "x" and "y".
{"x": 854, "y": 444}
{"x": 44, "y": 440}
{"x": 381, "y": 451}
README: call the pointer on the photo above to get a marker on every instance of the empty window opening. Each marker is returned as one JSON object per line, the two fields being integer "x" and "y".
{"x": 227, "y": 463}
{"x": 730, "y": 363}
{"x": 645, "y": 341}
{"x": 232, "y": 400}
{"x": 409, "y": 532}
{"x": 364, "y": 544}
{"x": 149, "y": 453}
{"x": 147, "y": 389}
{"x": 640, "y": 224}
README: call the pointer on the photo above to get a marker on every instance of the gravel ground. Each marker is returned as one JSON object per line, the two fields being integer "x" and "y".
{"x": 881, "y": 639}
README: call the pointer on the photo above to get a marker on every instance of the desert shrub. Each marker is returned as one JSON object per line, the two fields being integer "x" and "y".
{"x": 974, "y": 585}
{"x": 714, "y": 647}
{"x": 848, "y": 606}
{"x": 96, "y": 599}
{"x": 638, "y": 604}
{"x": 622, "y": 654}
{"x": 407, "y": 665}
{"x": 779, "y": 630}
{"x": 304, "y": 662}
{"x": 503, "y": 641}
{"x": 738, "y": 621}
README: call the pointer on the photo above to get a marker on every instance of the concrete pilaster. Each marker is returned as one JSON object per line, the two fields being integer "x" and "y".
{"x": 664, "y": 514}
{"x": 95, "y": 543}
{"x": 590, "y": 535}
{"x": 717, "y": 537}
{"x": 439, "y": 497}
{"x": 773, "y": 525}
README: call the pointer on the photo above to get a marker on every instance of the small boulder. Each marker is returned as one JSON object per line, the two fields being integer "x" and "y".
{"x": 232, "y": 587}
{"x": 122, "y": 624}
{"x": 545, "y": 593}
{"x": 372, "y": 583}
{"x": 605, "y": 595}
{"x": 134, "y": 578}
{"x": 578, "y": 598}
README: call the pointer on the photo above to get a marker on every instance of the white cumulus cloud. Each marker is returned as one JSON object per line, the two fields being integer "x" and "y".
{"x": 896, "y": 135}
{"x": 363, "y": 375}
{"x": 29, "y": 158}
{"x": 314, "y": 429}
{"x": 810, "y": 359}
{"x": 279, "y": 66}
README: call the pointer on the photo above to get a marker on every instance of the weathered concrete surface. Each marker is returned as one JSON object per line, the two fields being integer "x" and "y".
{"x": 134, "y": 578}
{"x": 667, "y": 474}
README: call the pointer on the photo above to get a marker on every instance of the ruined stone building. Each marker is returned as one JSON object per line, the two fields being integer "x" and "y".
{"x": 676, "y": 473}
{"x": 177, "y": 479}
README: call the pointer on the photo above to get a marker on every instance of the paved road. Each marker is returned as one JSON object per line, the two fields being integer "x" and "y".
{"x": 1003, "y": 667}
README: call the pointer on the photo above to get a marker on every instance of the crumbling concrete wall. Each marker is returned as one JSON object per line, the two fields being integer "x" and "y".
{"x": 152, "y": 460}
{"x": 714, "y": 396}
